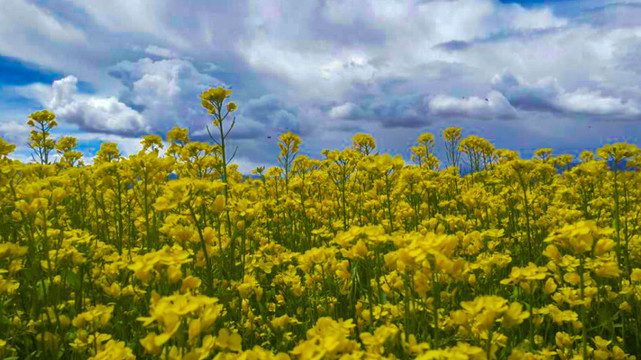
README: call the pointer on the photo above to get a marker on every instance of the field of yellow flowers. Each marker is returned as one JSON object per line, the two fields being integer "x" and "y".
{"x": 356, "y": 256}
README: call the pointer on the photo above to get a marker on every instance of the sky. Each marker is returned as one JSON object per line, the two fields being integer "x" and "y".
{"x": 524, "y": 75}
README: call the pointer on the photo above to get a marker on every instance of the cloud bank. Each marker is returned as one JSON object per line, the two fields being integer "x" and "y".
{"x": 328, "y": 69}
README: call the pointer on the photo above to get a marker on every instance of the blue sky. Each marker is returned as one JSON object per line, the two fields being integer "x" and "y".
{"x": 522, "y": 74}
{"x": 532, "y": 3}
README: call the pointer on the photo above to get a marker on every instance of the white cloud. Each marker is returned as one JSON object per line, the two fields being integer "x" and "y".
{"x": 585, "y": 101}
{"x": 346, "y": 110}
{"x": 34, "y": 34}
{"x": 160, "y": 95}
{"x": 160, "y": 51}
{"x": 494, "y": 105}
{"x": 39, "y": 24}
{"x": 131, "y": 16}
{"x": 103, "y": 114}
{"x": 37, "y": 91}
{"x": 63, "y": 92}
{"x": 520, "y": 18}
{"x": 14, "y": 132}
{"x": 92, "y": 113}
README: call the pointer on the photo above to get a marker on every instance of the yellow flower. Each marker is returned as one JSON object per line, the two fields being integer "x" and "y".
{"x": 96, "y": 316}
{"x": 625, "y": 306}
{"x": 514, "y": 315}
{"x": 357, "y": 251}
{"x": 605, "y": 268}
{"x": 572, "y": 278}
{"x": 189, "y": 283}
{"x": 413, "y": 346}
{"x": 226, "y": 340}
{"x": 194, "y": 329}
{"x": 174, "y": 273}
{"x": 563, "y": 340}
{"x": 328, "y": 337}
{"x": 178, "y": 134}
{"x": 363, "y": 143}
{"x": 12, "y": 251}
{"x": 6, "y": 148}
{"x": 375, "y": 342}
{"x": 550, "y": 286}
{"x": 153, "y": 343}
{"x": 290, "y": 143}
{"x": 219, "y": 204}
{"x": 114, "y": 350}
{"x": 603, "y": 246}
{"x": 216, "y": 95}
{"x": 531, "y": 272}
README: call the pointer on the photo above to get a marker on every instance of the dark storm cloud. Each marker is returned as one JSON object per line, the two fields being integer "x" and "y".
{"x": 406, "y": 111}
{"x": 273, "y": 112}
{"x": 536, "y": 98}
{"x": 454, "y": 45}
{"x": 547, "y": 95}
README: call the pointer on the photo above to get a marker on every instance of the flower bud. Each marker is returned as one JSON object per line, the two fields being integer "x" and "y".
{"x": 219, "y": 204}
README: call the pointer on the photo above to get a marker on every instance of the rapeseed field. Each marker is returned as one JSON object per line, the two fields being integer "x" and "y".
{"x": 356, "y": 256}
